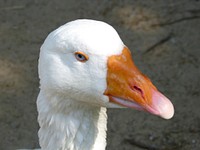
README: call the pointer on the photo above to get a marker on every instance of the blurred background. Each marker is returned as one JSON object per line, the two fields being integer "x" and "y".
{"x": 164, "y": 37}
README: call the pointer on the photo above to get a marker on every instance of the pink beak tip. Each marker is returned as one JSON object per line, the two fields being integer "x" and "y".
{"x": 162, "y": 105}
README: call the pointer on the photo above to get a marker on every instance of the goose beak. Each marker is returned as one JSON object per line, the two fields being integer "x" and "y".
{"x": 128, "y": 87}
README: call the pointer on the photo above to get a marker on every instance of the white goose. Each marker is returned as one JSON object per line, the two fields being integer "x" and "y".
{"x": 84, "y": 67}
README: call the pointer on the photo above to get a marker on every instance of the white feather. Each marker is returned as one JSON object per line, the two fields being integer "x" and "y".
{"x": 71, "y": 104}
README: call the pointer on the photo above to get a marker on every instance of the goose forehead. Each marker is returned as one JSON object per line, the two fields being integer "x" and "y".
{"x": 91, "y": 36}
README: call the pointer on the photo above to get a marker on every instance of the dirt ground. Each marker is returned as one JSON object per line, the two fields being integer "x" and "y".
{"x": 164, "y": 37}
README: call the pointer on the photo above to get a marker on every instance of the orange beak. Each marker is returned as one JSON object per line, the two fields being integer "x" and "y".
{"x": 127, "y": 86}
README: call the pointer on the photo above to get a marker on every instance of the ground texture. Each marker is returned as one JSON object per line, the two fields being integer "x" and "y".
{"x": 164, "y": 37}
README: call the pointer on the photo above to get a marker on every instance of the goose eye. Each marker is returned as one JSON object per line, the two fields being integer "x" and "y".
{"x": 80, "y": 56}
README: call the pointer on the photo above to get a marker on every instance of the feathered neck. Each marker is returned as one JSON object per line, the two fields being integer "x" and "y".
{"x": 70, "y": 125}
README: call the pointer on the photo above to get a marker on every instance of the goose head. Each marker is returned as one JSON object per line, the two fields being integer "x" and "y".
{"x": 86, "y": 61}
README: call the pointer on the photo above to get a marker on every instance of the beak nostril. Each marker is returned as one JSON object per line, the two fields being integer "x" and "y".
{"x": 139, "y": 90}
